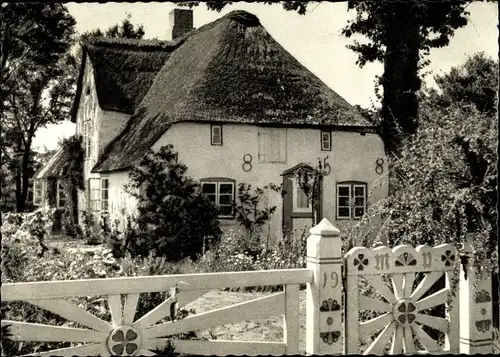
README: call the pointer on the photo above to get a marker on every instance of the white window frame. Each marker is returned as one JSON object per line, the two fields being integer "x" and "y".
{"x": 354, "y": 200}
{"x": 328, "y": 134}
{"x": 217, "y": 194}
{"x": 352, "y": 208}
{"x": 95, "y": 195}
{"x": 60, "y": 194}
{"x": 212, "y": 134}
{"x": 104, "y": 189}
{"x": 296, "y": 208}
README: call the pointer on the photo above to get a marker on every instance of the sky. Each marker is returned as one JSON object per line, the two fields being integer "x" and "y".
{"x": 315, "y": 40}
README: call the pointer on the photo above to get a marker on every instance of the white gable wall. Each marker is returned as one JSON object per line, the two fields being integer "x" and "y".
{"x": 105, "y": 126}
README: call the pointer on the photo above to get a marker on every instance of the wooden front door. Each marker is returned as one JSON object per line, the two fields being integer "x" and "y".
{"x": 295, "y": 211}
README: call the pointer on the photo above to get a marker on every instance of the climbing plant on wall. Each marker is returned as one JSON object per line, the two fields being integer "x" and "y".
{"x": 73, "y": 179}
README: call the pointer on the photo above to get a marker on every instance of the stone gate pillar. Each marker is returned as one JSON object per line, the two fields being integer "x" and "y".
{"x": 324, "y": 333}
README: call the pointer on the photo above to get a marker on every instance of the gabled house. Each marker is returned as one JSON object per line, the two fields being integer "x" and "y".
{"x": 237, "y": 107}
{"x": 48, "y": 182}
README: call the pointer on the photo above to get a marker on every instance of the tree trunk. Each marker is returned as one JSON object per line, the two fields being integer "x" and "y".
{"x": 25, "y": 177}
{"x": 400, "y": 80}
{"x": 19, "y": 204}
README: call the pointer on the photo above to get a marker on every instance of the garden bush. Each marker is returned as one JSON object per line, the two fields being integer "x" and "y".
{"x": 174, "y": 217}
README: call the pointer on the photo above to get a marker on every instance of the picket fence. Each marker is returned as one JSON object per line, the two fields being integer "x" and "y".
{"x": 340, "y": 318}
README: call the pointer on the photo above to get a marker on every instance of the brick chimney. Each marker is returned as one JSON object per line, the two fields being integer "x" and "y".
{"x": 181, "y": 22}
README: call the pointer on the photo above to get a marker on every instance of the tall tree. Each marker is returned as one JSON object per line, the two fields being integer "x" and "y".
{"x": 400, "y": 35}
{"x": 475, "y": 82}
{"x": 34, "y": 83}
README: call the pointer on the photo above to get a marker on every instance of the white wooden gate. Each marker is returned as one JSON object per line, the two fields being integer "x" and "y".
{"x": 392, "y": 319}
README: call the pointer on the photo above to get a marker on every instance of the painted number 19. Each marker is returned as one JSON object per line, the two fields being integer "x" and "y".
{"x": 334, "y": 277}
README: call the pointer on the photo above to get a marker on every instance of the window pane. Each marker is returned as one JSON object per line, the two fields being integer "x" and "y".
{"x": 359, "y": 201}
{"x": 216, "y": 130}
{"x": 208, "y": 188}
{"x": 301, "y": 199}
{"x": 104, "y": 183}
{"x": 344, "y": 201}
{"x": 211, "y": 198}
{"x": 216, "y": 139}
{"x": 104, "y": 194}
{"x": 225, "y": 199}
{"x": 226, "y": 210}
{"x": 95, "y": 194}
{"x": 359, "y": 191}
{"x": 104, "y": 205}
{"x": 344, "y": 212}
{"x": 359, "y": 211}
{"x": 325, "y": 140}
{"x": 344, "y": 191}
{"x": 226, "y": 188}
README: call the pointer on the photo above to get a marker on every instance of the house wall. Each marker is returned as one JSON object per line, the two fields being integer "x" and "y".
{"x": 352, "y": 157}
{"x": 121, "y": 204}
{"x": 106, "y": 125}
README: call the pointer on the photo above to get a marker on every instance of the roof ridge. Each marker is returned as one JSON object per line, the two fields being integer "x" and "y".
{"x": 144, "y": 45}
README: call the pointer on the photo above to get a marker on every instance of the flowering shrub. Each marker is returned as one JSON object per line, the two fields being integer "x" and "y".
{"x": 25, "y": 260}
{"x": 229, "y": 255}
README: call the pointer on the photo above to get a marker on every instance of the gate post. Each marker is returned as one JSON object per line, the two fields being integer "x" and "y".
{"x": 324, "y": 296}
{"x": 476, "y": 330}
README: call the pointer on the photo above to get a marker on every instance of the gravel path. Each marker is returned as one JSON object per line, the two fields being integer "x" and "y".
{"x": 270, "y": 329}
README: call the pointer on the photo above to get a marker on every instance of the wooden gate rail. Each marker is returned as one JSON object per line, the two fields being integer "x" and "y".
{"x": 125, "y": 336}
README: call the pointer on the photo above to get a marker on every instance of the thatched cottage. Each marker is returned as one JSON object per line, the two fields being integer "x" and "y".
{"x": 236, "y": 106}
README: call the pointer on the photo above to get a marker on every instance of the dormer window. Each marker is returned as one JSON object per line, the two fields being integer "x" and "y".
{"x": 326, "y": 141}
{"x": 216, "y": 134}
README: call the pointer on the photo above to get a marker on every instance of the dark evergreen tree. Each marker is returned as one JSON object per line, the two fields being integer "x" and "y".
{"x": 175, "y": 219}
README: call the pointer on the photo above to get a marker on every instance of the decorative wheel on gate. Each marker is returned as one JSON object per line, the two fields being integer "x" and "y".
{"x": 404, "y": 306}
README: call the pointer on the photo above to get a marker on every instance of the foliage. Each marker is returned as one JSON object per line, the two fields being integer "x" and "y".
{"x": 253, "y": 211}
{"x": 475, "y": 82}
{"x": 401, "y": 35}
{"x": 445, "y": 183}
{"x": 230, "y": 254}
{"x": 22, "y": 262}
{"x": 174, "y": 217}
{"x": 73, "y": 174}
{"x": 36, "y": 85}
{"x": 91, "y": 229}
{"x": 123, "y": 30}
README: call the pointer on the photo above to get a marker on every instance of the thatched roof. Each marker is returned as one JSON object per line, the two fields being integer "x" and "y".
{"x": 124, "y": 70}
{"x": 230, "y": 70}
{"x": 56, "y": 166}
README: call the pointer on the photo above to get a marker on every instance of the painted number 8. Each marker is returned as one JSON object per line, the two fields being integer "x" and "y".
{"x": 379, "y": 168}
{"x": 335, "y": 279}
{"x": 247, "y": 166}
